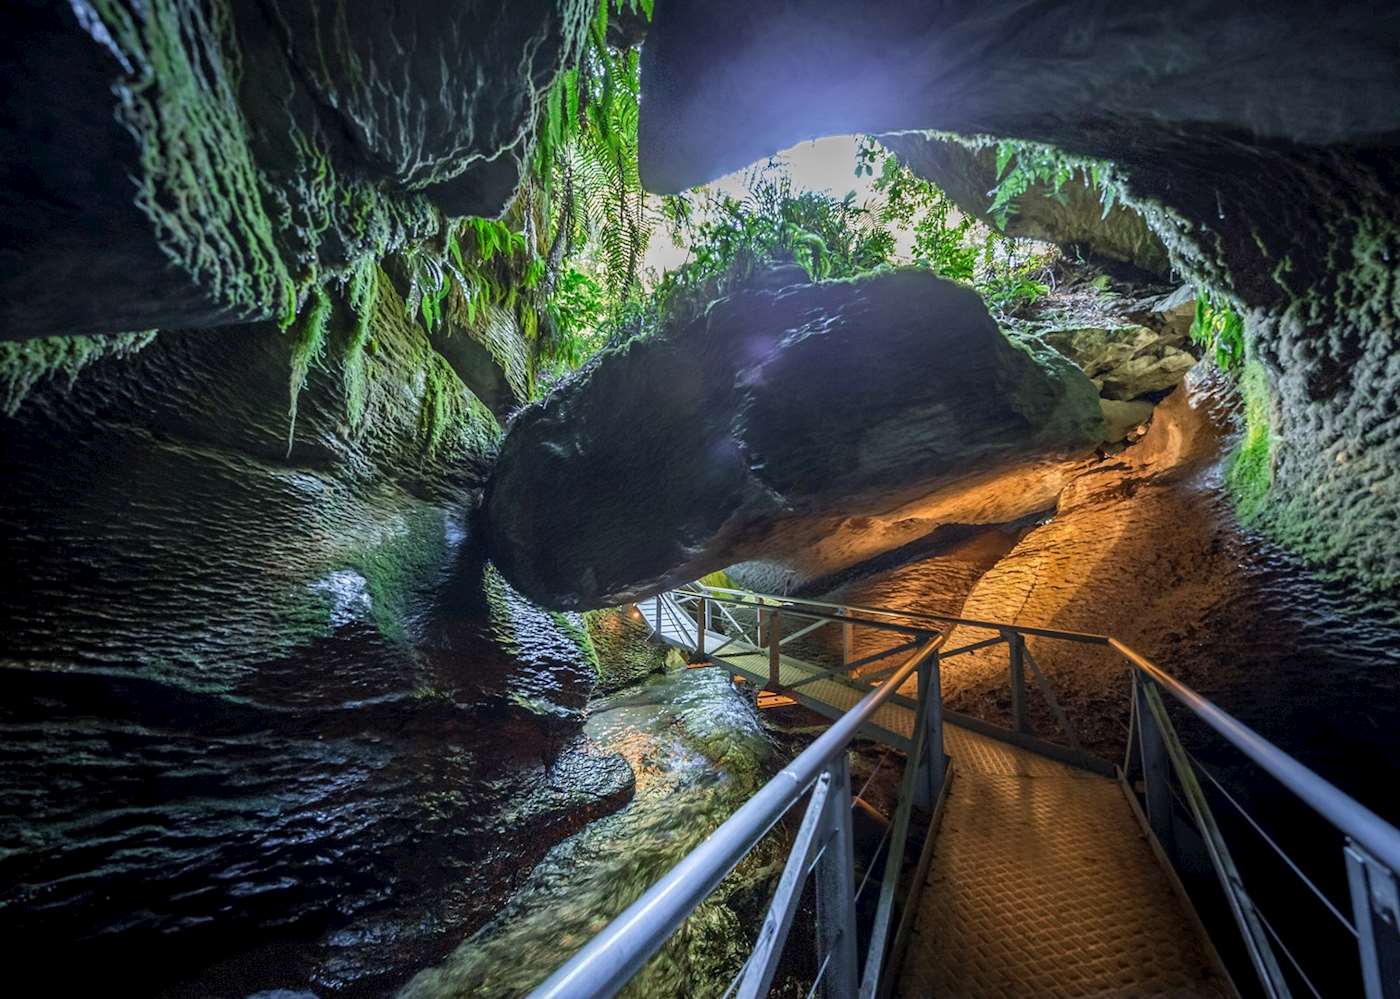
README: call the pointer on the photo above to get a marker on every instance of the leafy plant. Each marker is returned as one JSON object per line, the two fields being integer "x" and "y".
{"x": 1023, "y": 165}
{"x": 942, "y": 235}
{"x": 1219, "y": 328}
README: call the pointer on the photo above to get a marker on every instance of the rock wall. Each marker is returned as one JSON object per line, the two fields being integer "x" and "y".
{"x": 770, "y": 412}
{"x": 1269, "y": 175}
{"x": 192, "y": 163}
{"x": 268, "y": 721}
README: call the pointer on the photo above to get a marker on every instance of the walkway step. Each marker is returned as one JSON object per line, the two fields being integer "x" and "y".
{"x": 1043, "y": 884}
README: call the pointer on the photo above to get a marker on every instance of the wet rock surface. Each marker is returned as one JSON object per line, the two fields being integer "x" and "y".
{"x": 268, "y": 721}
{"x": 774, "y": 408}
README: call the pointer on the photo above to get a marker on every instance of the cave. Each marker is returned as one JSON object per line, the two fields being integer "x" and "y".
{"x": 464, "y": 462}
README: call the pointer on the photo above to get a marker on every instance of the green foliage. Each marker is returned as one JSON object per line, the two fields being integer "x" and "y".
{"x": 1023, "y": 165}
{"x": 942, "y": 243}
{"x": 579, "y": 309}
{"x": 363, "y": 288}
{"x": 307, "y": 348}
{"x": 1219, "y": 328}
{"x": 729, "y": 239}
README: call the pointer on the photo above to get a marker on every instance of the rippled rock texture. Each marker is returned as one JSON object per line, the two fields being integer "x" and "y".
{"x": 1275, "y": 184}
{"x": 223, "y": 151}
{"x": 267, "y": 721}
{"x": 774, "y": 410}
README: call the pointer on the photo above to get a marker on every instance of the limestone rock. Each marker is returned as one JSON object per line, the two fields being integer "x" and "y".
{"x": 1121, "y": 418}
{"x": 187, "y": 162}
{"x": 1270, "y": 176}
{"x": 717, "y": 441}
{"x": 1074, "y": 218}
{"x": 1125, "y": 362}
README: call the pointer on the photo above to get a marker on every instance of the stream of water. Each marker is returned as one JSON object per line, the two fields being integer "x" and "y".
{"x": 698, "y": 750}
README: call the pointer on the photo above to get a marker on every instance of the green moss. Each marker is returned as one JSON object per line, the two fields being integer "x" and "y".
{"x": 197, "y": 180}
{"x": 402, "y": 567}
{"x": 1249, "y": 473}
{"x": 363, "y": 293}
{"x": 26, "y": 363}
{"x": 308, "y": 348}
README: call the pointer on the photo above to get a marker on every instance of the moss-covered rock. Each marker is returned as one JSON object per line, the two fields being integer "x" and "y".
{"x": 625, "y": 652}
{"x": 191, "y": 163}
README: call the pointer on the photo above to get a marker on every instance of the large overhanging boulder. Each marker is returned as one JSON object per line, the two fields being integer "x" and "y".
{"x": 1073, "y": 217}
{"x": 714, "y": 441}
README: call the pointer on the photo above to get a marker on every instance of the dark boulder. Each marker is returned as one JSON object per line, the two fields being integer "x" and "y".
{"x": 713, "y": 442}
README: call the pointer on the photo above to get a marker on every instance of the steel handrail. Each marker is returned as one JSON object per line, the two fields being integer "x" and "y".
{"x": 607, "y": 962}
{"x": 1347, "y": 814}
{"x": 781, "y": 603}
{"x": 1085, "y": 637}
{"x": 1372, "y": 850}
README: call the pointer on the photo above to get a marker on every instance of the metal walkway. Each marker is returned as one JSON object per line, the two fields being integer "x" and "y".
{"x": 1046, "y": 871}
{"x": 809, "y": 685}
{"x": 1043, "y": 883}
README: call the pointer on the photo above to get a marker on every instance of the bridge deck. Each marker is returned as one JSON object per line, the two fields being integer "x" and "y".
{"x": 1043, "y": 884}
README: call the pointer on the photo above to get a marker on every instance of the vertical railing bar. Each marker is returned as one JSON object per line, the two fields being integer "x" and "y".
{"x": 773, "y": 632}
{"x": 1373, "y": 888}
{"x": 1155, "y": 762}
{"x": 1048, "y": 692}
{"x": 894, "y": 860}
{"x": 1132, "y": 726}
{"x": 1016, "y": 646}
{"x": 1256, "y": 942}
{"x": 772, "y": 935}
{"x": 836, "y": 905}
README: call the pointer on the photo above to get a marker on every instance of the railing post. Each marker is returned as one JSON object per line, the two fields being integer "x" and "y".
{"x": 659, "y": 598}
{"x": 1156, "y": 769}
{"x": 1375, "y": 906}
{"x": 702, "y": 617}
{"x": 1015, "y": 641}
{"x": 836, "y": 891}
{"x": 847, "y": 639}
{"x": 774, "y": 633}
{"x": 933, "y": 764}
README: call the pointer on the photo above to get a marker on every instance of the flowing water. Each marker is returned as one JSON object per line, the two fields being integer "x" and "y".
{"x": 698, "y": 751}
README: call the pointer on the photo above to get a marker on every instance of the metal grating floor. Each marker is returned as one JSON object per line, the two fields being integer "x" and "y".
{"x": 1042, "y": 884}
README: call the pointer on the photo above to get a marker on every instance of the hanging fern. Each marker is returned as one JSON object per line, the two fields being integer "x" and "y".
{"x": 308, "y": 348}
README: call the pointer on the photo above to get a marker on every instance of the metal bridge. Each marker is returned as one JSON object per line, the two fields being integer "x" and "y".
{"x": 1013, "y": 864}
